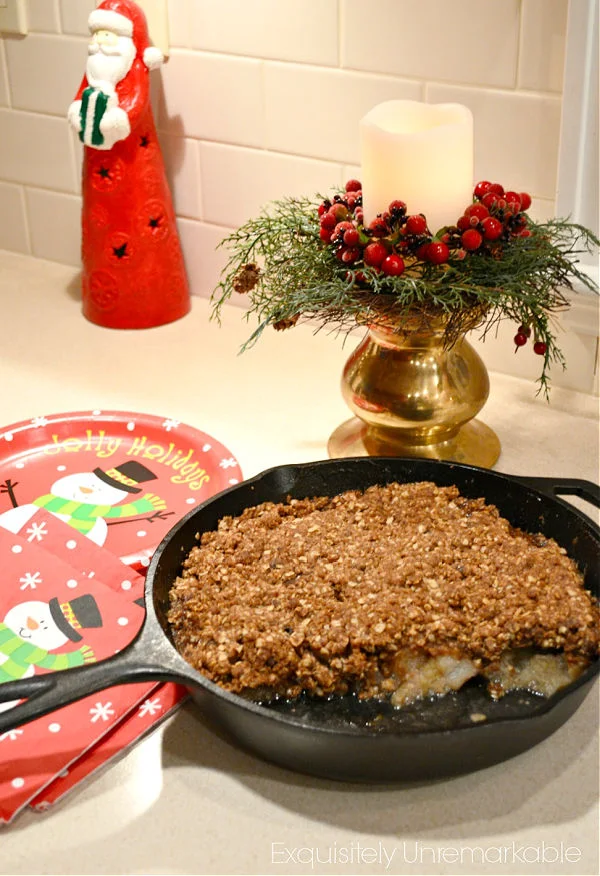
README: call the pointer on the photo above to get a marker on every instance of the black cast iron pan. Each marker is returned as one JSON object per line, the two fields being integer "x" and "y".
{"x": 343, "y": 738}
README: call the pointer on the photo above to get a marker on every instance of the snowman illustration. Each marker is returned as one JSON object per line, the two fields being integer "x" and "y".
{"x": 31, "y": 630}
{"x": 89, "y": 501}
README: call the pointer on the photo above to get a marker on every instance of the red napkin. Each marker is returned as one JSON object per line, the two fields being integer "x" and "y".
{"x": 160, "y": 703}
{"x": 45, "y": 604}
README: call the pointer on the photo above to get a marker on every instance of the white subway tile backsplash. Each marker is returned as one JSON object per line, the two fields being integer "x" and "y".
{"x": 542, "y": 209}
{"x": 579, "y": 351}
{"x": 542, "y": 52}
{"x": 213, "y": 97}
{"x": 516, "y": 136}
{"x": 13, "y": 221}
{"x": 316, "y": 111}
{"x": 179, "y": 24}
{"x": 55, "y": 226}
{"x": 461, "y": 41}
{"x": 183, "y": 171}
{"x": 284, "y": 30}
{"x": 35, "y": 150}
{"x": 203, "y": 260}
{"x": 262, "y": 100}
{"x": 45, "y": 72}
{"x": 238, "y": 183}
{"x": 42, "y": 16}
{"x": 74, "y": 15}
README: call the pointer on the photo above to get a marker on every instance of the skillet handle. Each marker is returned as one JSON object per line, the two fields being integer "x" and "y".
{"x": 555, "y": 487}
{"x": 45, "y": 693}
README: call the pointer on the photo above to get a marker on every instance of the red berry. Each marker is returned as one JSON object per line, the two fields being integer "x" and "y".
{"x": 481, "y": 188}
{"x": 353, "y": 185}
{"x": 351, "y": 237}
{"x": 437, "y": 252}
{"x": 524, "y": 330}
{"x": 393, "y": 265}
{"x": 525, "y": 233}
{"x": 492, "y": 228}
{"x": 325, "y": 234}
{"x": 477, "y": 211}
{"x": 496, "y": 188}
{"x": 359, "y": 215}
{"x": 374, "y": 254}
{"x": 378, "y": 227}
{"x": 350, "y": 255}
{"x": 422, "y": 251}
{"x": 328, "y": 220}
{"x": 520, "y": 339}
{"x": 324, "y": 207}
{"x": 341, "y": 228}
{"x": 471, "y": 239}
{"x": 463, "y": 223}
{"x": 397, "y": 207}
{"x": 525, "y": 201}
{"x": 540, "y": 348}
{"x": 489, "y": 200}
{"x": 416, "y": 224}
{"x": 514, "y": 199}
{"x": 339, "y": 212}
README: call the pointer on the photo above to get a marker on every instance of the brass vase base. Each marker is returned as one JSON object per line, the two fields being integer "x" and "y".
{"x": 474, "y": 444}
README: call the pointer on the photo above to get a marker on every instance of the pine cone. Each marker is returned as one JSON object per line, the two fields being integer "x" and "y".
{"x": 283, "y": 324}
{"x": 246, "y": 279}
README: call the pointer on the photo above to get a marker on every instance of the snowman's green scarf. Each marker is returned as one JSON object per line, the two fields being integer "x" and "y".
{"x": 83, "y": 517}
{"x": 20, "y": 655}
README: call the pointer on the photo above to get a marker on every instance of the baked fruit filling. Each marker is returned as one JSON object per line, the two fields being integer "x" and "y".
{"x": 402, "y": 592}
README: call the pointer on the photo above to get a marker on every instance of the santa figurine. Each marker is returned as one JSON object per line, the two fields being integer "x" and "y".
{"x": 133, "y": 271}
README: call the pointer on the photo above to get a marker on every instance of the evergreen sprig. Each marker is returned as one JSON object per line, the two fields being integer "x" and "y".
{"x": 290, "y": 273}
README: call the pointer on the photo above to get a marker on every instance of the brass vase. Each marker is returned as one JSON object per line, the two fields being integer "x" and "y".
{"x": 413, "y": 395}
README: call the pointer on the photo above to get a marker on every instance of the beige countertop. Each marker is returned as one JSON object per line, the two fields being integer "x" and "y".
{"x": 185, "y": 802}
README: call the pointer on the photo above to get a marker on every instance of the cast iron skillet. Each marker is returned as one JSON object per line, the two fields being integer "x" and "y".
{"x": 343, "y": 738}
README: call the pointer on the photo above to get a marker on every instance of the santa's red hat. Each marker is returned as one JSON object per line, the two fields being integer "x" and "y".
{"x": 126, "y": 18}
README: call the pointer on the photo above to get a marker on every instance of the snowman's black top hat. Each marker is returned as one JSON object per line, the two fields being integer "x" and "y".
{"x": 79, "y": 613}
{"x": 127, "y": 476}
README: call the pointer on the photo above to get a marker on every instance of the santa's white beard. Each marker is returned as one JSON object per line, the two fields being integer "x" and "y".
{"x": 107, "y": 66}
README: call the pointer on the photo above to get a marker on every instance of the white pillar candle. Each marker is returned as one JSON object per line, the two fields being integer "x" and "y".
{"x": 419, "y": 153}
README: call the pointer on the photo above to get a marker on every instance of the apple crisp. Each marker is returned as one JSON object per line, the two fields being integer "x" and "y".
{"x": 401, "y": 591}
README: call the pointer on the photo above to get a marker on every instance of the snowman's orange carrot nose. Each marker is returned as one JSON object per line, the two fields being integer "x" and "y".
{"x": 85, "y": 490}
{"x": 31, "y": 623}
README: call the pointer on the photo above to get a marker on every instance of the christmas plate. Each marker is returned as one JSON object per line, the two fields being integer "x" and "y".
{"x": 121, "y": 479}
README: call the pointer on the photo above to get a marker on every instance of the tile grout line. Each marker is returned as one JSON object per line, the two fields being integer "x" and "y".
{"x": 4, "y": 64}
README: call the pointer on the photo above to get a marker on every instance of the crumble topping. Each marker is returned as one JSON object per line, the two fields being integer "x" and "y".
{"x": 330, "y": 595}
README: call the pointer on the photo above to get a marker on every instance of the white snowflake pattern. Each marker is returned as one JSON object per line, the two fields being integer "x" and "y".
{"x": 101, "y": 712}
{"x": 39, "y": 421}
{"x": 30, "y": 580}
{"x": 42, "y": 806}
{"x": 228, "y": 463}
{"x": 11, "y": 735}
{"x": 171, "y": 424}
{"x": 37, "y": 531}
{"x": 150, "y": 707}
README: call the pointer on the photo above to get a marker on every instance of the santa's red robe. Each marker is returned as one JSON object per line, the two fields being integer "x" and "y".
{"x": 133, "y": 270}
